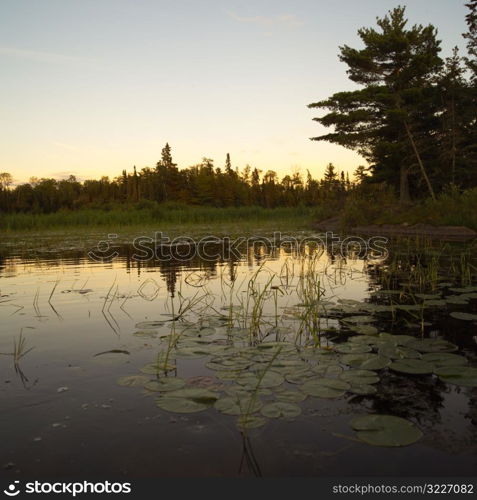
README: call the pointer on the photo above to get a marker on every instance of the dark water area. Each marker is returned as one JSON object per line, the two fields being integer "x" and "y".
{"x": 79, "y": 340}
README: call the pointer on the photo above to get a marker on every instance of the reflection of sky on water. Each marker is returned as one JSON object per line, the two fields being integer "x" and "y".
{"x": 70, "y": 308}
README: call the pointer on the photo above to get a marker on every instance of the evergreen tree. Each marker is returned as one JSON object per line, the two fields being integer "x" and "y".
{"x": 166, "y": 157}
{"x": 470, "y": 148}
{"x": 168, "y": 178}
{"x": 330, "y": 177}
{"x": 381, "y": 120}
{"x": 453, "y": 112}
{"x": 471, "y": 37}
{"x": 228, "y": 166}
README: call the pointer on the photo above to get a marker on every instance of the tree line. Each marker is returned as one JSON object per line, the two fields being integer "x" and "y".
{"x": 201, "y": 184}
{"x": 413, "y": 116}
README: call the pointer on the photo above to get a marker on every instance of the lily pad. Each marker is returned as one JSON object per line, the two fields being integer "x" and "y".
{"x": 300, "y": 377}
{"x": 444, "y": 359}
{"x": 432, "y": 345}
{"x": 398, "y": 352}
{"x": 360, "y": 377}
{"x": 365, "y": 329}
{"x": 238, "y": 405}
{"x": 459, "y": 375}
{"x": 456, "y": 300}
{"x": 331, "y": 370}
{"x": 467, "y": 289}
{"x": 463, "y": 316}
{"x": 325, "y": 387}
{"x": 396, "y": 339}
{"x": 113, "y": 351}
{"x": 385, "y": 430}
{"x": 427, "y": 296}
{"x": 412, "y": 366}
{"x": 434, "y": 303}
{"x": 180, "y": 405}
{"x": 225, "y": 364}
{"x": 155, "y": 368}
{"x": 165, "y": 384}
{"x": 146, "y": 333}
{"x": 352, "y": 348}
{"x": 365, "y": 339}
{"x": 409, "y": 307}
{"x": 268, "y": 379}
{"x": 290, "y": 396}
{"x": 367, "y": 361}
{"x": 359, "y": 319}
{"x": 318, "y": 354}
{"x": 228, "y": 374}
{"x": 133, "y": 381}
{"x": 238, "y": 391}
{"x": 188, "y": 400}
{"x": 289, "y": 365}
{"x": 192, "y": 352}
{"x": 349, "y": 302}
{"x": 281, "y": 409}
{"x": 147, "y": 325}
{"x": 362, "y": 389}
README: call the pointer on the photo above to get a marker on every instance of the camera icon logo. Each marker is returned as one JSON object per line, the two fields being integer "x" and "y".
{"x": 12, "y": 490}
{"x": 104, "y": 250}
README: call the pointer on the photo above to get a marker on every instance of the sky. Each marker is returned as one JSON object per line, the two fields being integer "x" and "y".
{"x": 92, "y": 87}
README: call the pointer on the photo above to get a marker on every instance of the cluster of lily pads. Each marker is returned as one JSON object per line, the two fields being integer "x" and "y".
{"x": 444, "y": 300}
{"x": 266, "y": 380}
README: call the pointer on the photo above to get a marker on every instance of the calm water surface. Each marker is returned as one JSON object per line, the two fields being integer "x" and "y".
{"x": 64, "y": 414}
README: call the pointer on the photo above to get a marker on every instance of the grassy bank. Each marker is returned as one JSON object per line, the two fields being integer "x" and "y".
{"x": 153, "y": 215}
{"x": 377, "y": 205}
{"x": 372, "y": 204}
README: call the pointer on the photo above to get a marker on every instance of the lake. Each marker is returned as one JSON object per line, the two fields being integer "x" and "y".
{"x": 260, "y": 360}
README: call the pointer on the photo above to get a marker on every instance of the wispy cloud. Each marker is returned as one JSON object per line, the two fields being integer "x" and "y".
{"x": 280, "y": 20}
{"x": 40, "y": 56}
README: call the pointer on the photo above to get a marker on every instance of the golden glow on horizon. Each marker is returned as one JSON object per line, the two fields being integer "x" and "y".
{"x": 59, "y": 160}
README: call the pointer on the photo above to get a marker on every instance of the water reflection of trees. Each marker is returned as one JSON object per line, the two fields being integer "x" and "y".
{"x": 253, "y": 254}
{"x": 419, "y": 398}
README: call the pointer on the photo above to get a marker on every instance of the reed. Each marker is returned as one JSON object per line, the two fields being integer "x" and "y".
{"x": 137, "y": 215}
{"x": 20, "y": 348}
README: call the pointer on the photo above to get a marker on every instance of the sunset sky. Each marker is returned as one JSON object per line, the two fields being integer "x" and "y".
{"x": 92, "y": 87}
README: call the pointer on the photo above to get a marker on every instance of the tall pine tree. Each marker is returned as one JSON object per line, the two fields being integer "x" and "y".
{"x": 383, "y": 120}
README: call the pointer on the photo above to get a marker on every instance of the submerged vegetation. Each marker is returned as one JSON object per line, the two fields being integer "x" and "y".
{"x": 364, "y": 350}
{"x": 263, "y": 357}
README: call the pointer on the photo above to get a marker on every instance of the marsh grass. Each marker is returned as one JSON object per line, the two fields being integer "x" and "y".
{"x": 20, "y": 348}
{"x": 310, "y": 294}
{"x": 419, "y": 266}
{"x": 376, "y": 204}
{"x": 254, "y": 395}
{"x": 164, "y": 214}
{"x": 196, "y": 304}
